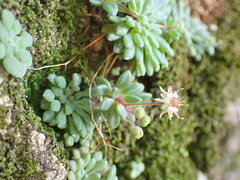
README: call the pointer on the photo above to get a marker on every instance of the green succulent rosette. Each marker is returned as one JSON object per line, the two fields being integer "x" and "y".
{"x": 143, "y": 31}
{"x": 16, "y": 59}
{"x": 87, "y": 166}
{"x": 67, "y": 108}
{"x": 194, "y": 32}
{"x": 116, "y": 101}
{"x": 138, "y": 35}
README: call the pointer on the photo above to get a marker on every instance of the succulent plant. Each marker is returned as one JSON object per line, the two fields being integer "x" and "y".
{"x": 117, "y": 102}
{"x": 143, "y": 31}
{"x": 67, "y": 108}
{"x": 85, "y": 166}
{"x": 137, "y": 168}
{"x": 194, "y": 32}
{"x": 13, "y": 43}
{"x": 138, "y": 35}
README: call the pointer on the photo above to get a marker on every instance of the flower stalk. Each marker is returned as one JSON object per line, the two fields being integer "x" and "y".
{"x": 170, "y": 103}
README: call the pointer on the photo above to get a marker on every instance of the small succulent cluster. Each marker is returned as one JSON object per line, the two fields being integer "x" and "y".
{"x": 117, "y": 102}
{"x": 137, "y": 35}
{"x": 137, "y": 168}
{"x": 143, "y": 31}
{"x": 194, "y": 32}
{"x": 85, "y": 166}
{"x": 67, "y": 108}
{"x": 13, "y": 43}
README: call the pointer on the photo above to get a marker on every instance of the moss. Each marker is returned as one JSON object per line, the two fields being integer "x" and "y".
{"x": 18, "y": 159}
{"x": 51, "y": 25}
{"x": 5, "y": 103}
{"x": 208, "y": 86}
{"x": 219, "y": 79}
{"x": 15, "y": 162}
{"x": 170, "y": 149}
{"x": 19, "y": 167}
{"x": 55, "y": 27}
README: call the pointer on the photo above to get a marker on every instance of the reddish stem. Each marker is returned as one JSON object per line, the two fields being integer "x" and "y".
{"x": 144, "y": 104}
{"x": 126, "y": 105}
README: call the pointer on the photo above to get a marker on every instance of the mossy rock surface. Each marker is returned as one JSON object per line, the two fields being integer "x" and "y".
{"x": 174, "y": 149}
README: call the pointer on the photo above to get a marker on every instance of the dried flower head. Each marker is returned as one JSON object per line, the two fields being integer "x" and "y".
{"x": 171, "y": 102}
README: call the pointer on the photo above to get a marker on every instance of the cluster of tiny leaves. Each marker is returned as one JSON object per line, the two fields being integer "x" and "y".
{"x": 116, "y": 102}
{"x": 194, "y": 32}
{"x": 144, "y": 29}
{"x": 137, "y": 167}
{"x": 13, "y": 44}
{"x": 136, "y": 36}
{"x": 85, "y": 166}
{"x": 67, "y": 108}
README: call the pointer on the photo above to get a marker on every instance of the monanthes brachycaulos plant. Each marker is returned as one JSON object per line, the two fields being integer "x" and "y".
{"x": 87, "y": 166}
{"x": 194, "y": 32}
{"x": 138, "y": 34}
{"x": 13, "y": 43}
{"x": 116, "y": 102}
{"x": 143, "y": 30}
{"x": 69, "y": 108}
{"x": 66, "y": 107}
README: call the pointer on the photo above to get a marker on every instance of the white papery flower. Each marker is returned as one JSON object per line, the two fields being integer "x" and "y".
{"x": 171, "y": 102}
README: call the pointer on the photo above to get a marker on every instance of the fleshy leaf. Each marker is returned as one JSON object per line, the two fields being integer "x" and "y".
{"x": 111, "y": 8}
{"x": 14, "y": 67}
{"x": 2, "y": 51}
{"x": 7, "y": 18}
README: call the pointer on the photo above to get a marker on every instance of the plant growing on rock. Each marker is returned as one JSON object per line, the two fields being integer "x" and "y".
{"x": 194, "y": 32}
{"x": 137, "y": 35}
{"x": 67, "y": 108}
{"x": 13, "y": 43}
{"x": 123, "y": 102}
{"x": 133, "y": 168}
{"x": 85, "y": 166}
{"x": 143, "y": 31}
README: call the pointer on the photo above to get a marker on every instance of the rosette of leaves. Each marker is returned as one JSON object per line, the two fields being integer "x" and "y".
{"x": 85, "y": 166}
{"x": 137, "y": 168}
{"x": 195, "y": 33}
{"x": 13, "y": 43}
{"x": 110, "y": 6}
{"x": 67, "y": 108}
{"x": 137, "y": 34}
{"x": 116, "y": 102}
{"x": 133, "y": 168}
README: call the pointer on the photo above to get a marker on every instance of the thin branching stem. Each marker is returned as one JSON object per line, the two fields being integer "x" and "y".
{"x": 144, "y": 104}
{"x": 66, "y": 63}
{"x": 94, "y": 41}
{"x": 105, "y": 142}
{"x": 127, "y": 10}
{"x": 111, "y": 65}
{"x": 90, "y": 95}
{"x": 55, "y": 65}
